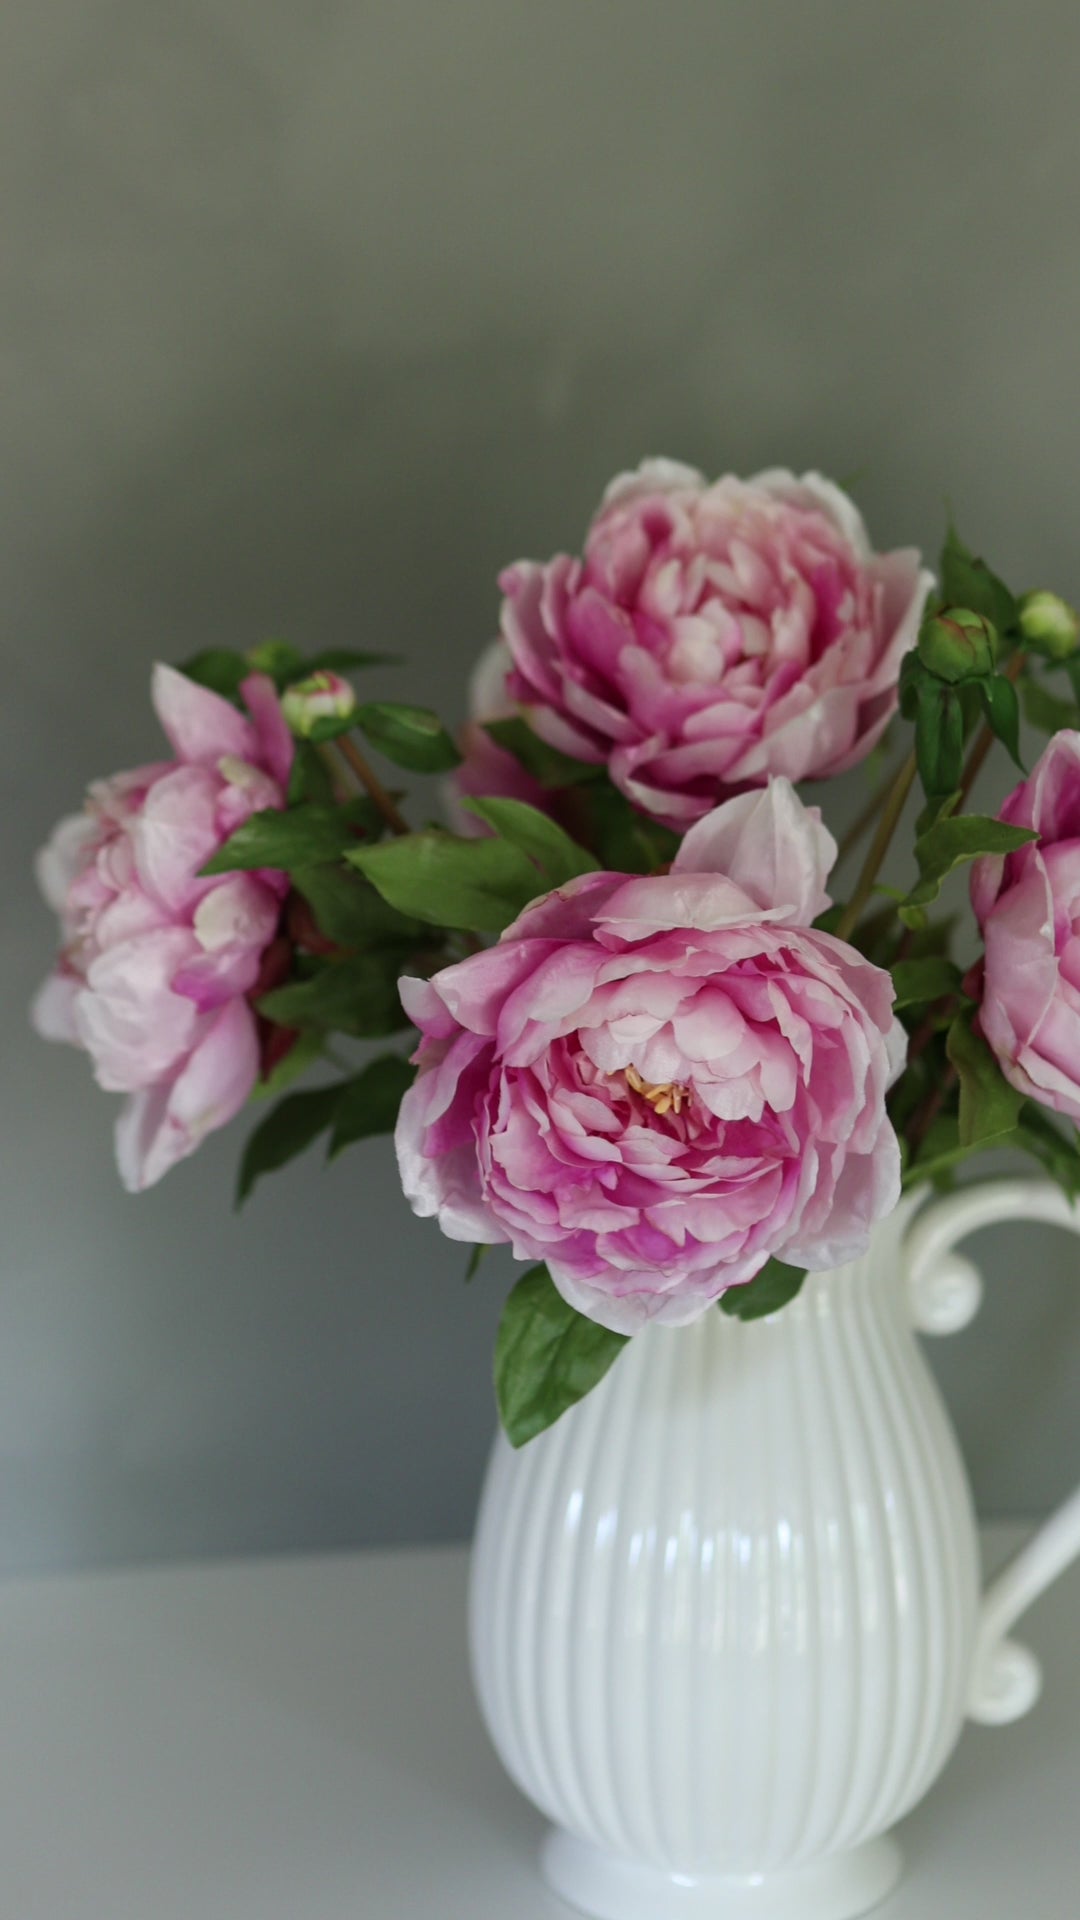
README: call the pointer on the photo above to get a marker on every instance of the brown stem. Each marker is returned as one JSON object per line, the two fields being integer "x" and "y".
{"x": 923, "y": 1118}
{"x": 886, "y": 827}
{"x": 929, "y": 1024}
{"x": 369, "y": 780}
{"x": 985, "y": 737}
{"x": 342, "y": 787}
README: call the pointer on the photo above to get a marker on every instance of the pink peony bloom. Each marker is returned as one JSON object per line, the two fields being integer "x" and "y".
{"x": 713, "y": 635}
{"x": 653, "y": 1084}
{"x": 1028, "y": 906}
{"x": 156, "y": 962}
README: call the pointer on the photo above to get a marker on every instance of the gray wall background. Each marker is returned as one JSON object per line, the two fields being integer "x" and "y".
{"x": 313, "y": 315}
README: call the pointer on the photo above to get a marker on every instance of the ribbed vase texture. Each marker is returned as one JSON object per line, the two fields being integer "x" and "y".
{"x": 723, "y": 1612}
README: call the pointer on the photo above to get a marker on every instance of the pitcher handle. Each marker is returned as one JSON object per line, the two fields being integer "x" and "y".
{"x": 944, "y": 1290}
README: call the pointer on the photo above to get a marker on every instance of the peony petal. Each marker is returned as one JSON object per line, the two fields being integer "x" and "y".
{"x": 653, "y": 476}
{"x": 63, "y": 856}
{"x": 773, "y": 847}
{"x": 175, "y": 835}
{"x": 275, "y": 743}
{"x": 133, "y": 1025}
{"x": 199, "y": 725}
{"x": 162, "y": 1126}
{"x": 708, "y": 902}
{"x": 824, "y": 496}
{"x": 52, "y": 1011}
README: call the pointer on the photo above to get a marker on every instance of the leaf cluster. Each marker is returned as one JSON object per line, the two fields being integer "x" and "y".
{"x": 347, "y": 1110}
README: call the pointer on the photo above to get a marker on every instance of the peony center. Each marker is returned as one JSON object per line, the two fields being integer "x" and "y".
{"x": 670, "y": 1096}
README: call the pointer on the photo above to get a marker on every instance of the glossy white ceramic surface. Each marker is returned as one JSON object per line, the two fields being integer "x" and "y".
{"x": 725, "y": 1618}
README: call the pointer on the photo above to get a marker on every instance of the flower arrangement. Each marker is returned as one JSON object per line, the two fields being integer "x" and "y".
{"x": 666, "y": 1054}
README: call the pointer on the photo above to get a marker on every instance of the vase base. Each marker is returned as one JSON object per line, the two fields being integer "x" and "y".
{"x": 610, "y": 1887}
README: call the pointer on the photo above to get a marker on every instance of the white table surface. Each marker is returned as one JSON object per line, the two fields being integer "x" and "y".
{"x": 296, "y": 1740}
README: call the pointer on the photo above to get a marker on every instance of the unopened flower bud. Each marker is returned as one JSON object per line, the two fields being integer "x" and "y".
{"x": 957, "y": 644}
{"x": 322, "y": 696}
{"x": 1049, "y": 624}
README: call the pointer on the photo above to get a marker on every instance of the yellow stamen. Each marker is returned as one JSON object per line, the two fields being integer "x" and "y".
{"x": 664, "y": 1098}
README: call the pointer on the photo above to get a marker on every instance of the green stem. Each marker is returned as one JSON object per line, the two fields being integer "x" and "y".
{"x": 985, "y": 737}
{"x": 886, "y": 827}
{"x": 864, "y": 818}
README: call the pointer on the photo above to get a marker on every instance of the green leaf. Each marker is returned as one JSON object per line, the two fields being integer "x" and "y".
{"x": 1048, "y": 710}
{"x": 1039, "y": 1136}
{"x": 559, "y": 858}
{"x": 967, "y": 581}
{"x": 939, "y": 1154}
{"x": 310, "y": 778}
{"x": 937, "y": 809}
{"x": 348, "y": 910}
{"x": 305, "y": 1050}
{"x": 285, "y": 1132}
{"x": 475, "y": 1258}
{"x": 828, "y": 921}
{"x": 930, "y": 978}
{"x": 767, "y": 1292}
{"x": 625, "y": 840}
{"x": 219, "y": 669}
{"x": 1002, "y": 709}
{"x": 939, "y": 736}
{"x": 933, "y": 938}
{"x": 412, "y": 737}
{"x": 476, "y": 885}
{"x": 280, "y": 660}
{"x": 547, "y": 1356}
{"x": 369, "y": 1103}
{"x": 348, "y": 660}
{"x": 357, "y": 996}
{"x": 303, "y": 837}
{"x": 948, "y": 844}
{"x": 989, "y": 1106}
{"x": 546, "y": 764}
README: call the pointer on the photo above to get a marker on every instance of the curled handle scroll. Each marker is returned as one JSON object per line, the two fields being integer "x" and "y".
{"x": 944, "y": 1291}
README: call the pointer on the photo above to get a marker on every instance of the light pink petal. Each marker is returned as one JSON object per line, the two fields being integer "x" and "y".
{"x": 656, "y": 475}
{"x": 489, "y": 696}
{"x": 276, "y": 746}
{"x": 199, "y": 725}
{"x": 236, "y": 911}
{"x": 52, "y": 1011}
{"x": 129, "y": 1019}
{"x": 707, "y": 902}
{"x": 63, "y": 856}
{"x": 162, "y": 1126}
{"x": 426, "y": 1008}
{"x": 446, "y": 1186}
{"x": 568, "y": 912}
{"x": 175, "y": 835}
{"x": 771, "y": 845}
{"x": 824, "y": 496}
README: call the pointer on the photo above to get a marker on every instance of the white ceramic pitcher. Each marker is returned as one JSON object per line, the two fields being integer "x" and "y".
{"x": 725, "y": 1617}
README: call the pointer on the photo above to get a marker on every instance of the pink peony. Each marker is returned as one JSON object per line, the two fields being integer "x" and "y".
{"x": 156, "y": 962}
{"x": 1028, "y": 906}
{"x": 653, "y": 1084}
{"x": 713, "y": 635}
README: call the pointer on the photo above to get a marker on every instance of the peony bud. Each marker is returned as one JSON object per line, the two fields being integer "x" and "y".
{"x": 1049, "y": 624}
{"x": 309, "y": 703}
{"x": 957, "y": 644}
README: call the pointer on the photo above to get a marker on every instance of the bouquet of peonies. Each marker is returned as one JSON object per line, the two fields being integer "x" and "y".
{"x": 662, "y": 1055}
